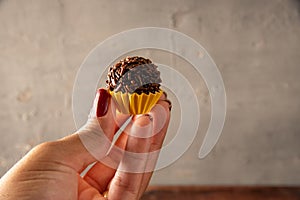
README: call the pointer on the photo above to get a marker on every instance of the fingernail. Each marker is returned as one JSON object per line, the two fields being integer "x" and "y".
{"x": 150, "y": 117}
{"x": 170, "y": 103}
{"x": 103, "y": 102}
{"x": 143, "y": 115}
{"x": 165, "y": 94}
{"x": 142, "y": 126}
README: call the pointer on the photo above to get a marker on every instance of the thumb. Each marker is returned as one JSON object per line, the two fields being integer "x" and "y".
{"x": 85, "y": 146}
{"x": 97, "y": 133}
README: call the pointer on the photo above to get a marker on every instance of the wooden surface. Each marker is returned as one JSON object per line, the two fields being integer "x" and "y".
{"x": 222, "y": 193}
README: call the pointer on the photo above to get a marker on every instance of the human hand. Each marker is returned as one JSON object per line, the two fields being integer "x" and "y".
{"x": 51, "y": 170}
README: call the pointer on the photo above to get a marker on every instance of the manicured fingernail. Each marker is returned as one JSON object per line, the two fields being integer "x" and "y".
{"x": 103, "y": 102}
{"x": 170, "y": 103}
{"x": 165, "y": 94}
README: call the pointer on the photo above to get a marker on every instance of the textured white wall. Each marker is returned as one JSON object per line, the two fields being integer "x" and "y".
{"x": 255, "y": 43}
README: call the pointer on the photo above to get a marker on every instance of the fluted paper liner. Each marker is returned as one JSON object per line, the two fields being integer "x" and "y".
{"x": 135, "y": 103}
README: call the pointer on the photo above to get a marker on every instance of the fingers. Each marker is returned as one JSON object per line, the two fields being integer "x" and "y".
{"x": 162, "y": 108}
{"x": 153, "y": 142}
{"x": 126, "y": 182}
{"x": 102, "y": 172}
{"x": 160, "y": 115}
{"x": 86, "y": 191}
{"x": 109, "y": 118}
{"x": 96, "y": 135}
{"x": 144, "y": 136}
{"x": 93, "y": 140}
{"x": 99, "y": 176}
{"x": 161, "y": 118}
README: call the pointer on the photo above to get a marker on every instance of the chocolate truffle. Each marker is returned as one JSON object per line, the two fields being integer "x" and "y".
{"x": 134, "y": 75}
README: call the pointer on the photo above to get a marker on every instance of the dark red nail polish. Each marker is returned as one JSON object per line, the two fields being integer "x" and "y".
{"x": 166, "y": 96}
{"x": 103, "y": 102}
{"x": 170, "y": 104}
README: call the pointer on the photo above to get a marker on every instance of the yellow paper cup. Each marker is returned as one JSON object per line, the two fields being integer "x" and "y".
{"x": 135, "y": 103}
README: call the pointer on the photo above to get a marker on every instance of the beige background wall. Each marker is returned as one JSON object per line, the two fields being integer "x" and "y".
{"x": 255, "y": 43}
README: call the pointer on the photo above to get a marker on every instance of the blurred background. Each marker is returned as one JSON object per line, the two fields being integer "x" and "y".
{"x": 255, "y": 44}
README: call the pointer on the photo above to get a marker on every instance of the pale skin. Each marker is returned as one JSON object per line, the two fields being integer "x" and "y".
{"x": 51, "y": 170}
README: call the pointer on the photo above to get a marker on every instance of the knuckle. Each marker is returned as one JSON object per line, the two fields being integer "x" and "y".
{"x": 46, "y": 149}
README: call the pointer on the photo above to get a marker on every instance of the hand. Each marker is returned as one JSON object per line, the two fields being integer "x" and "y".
{"x": 51, "y": 170}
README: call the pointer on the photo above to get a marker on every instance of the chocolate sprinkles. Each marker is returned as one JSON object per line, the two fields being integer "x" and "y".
{"x": 134, "y": 75}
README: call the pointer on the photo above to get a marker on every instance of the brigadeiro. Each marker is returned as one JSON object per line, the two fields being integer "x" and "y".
{"x": 134, "y": 84}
